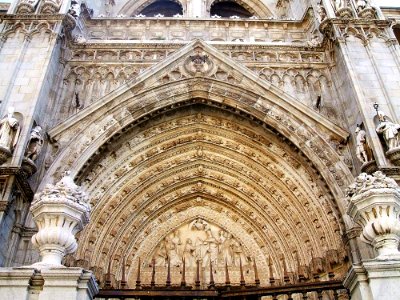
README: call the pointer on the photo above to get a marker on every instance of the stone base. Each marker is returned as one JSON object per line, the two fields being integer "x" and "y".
{"x": 28, "y": 167}
{"x": 394, "y": 156}
{"x": 47, "y": 284}
{"x": 369, "y": 167}
{"x": 375, "y": 280}
{"x": 5, "y": 154}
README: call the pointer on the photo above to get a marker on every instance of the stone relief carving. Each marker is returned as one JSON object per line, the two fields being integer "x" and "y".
{"x": 200, "y": 241}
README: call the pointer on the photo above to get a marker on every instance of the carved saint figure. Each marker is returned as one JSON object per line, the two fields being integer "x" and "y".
{"x": 389, "y": 130}
{"x": 35, "y": 144}
{"x": 172, "y": 245}
{"x": 188, "y": 253}
{"x": 211, "y": 254}
{"x": 225, "y": 249}
{"x": 238, "y": 254}
{"x": 160, "y": 256}
{"x": 9, "y": 130}
{"x": 362, "y": 146}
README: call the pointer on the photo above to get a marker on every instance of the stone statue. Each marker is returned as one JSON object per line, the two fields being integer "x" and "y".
{"x": 238, "y": 254}
{"x": 212, "y": 250}
{"x": 340, "y": 4}
{"x": 188, "y": 253}
{"x": 225, "y": 249}
{"x": 172, "y": 246}
{"x": 9, "y": 131}
{"x": 361, "y": 4}
{"x": 75, "y": 9}
{"x": 363, "y": 151}
{"x": 161, "y": 255}
{"x": 35, "y": 144}
{"x": 389, "y": 130}
{"x": 321, "y": 12}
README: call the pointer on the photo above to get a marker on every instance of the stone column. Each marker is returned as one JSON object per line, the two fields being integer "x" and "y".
{"x": 60, "y": 211}
{"x": 374, "y": 204}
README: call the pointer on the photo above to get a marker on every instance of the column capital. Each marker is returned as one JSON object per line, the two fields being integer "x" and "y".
{"x": 374, "y": 204}
{"x": 60, "y": 211}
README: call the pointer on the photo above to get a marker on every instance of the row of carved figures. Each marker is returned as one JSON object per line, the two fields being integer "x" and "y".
{"x": 205, "y": 244}
{"x": 9, "y": 133}
{"x": 390, "y": 133}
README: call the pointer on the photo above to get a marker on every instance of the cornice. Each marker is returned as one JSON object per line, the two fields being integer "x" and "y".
{"x": 32, "y": 17}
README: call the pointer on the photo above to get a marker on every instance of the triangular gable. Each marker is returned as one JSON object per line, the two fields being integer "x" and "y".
{"x": 185, "y": 60}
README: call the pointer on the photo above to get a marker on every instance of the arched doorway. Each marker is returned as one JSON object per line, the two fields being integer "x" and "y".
{"x": 198, "y": 159}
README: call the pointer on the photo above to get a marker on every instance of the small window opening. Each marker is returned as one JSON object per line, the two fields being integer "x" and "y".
{"x": 228, "y": 9}
{"x": 165, "y": 8}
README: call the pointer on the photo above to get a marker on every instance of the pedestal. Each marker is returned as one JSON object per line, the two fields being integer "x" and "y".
{"x": 384, "y": 278}
{"x": 374, "y": 280}
{"x": 47, "y": 284}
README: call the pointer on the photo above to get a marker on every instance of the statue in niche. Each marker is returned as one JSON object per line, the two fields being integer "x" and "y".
{"x": 9, "y": 131}
{"x": 363, "y": 151}
{"x": 389, "y": 131}
{"x": 35, "y": 144}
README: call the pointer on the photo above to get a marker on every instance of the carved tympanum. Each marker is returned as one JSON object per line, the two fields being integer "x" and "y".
{"x": 200, "y": 241}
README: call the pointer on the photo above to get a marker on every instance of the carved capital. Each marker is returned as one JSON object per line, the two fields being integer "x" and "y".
{"x": 60, "y": 211}
{"x": 374, "y": 204}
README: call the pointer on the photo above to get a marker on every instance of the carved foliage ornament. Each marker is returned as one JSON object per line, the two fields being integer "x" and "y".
{"x": 60, "y": 211}
{"x": 374, "y": 203}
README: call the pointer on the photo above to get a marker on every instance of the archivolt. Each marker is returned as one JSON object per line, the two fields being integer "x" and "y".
{"x": 198, "y": 161}
{"x": 93, "y": 134}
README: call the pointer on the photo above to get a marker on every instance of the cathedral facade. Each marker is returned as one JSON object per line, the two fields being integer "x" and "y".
{"x": 240, "y": 146}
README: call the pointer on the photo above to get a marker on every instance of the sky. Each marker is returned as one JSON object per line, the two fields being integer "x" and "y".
{"x": 380, "y": 2}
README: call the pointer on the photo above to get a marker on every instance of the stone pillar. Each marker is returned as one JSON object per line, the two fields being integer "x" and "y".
{"x": 60, "y": 211}
{"x": 374, "y": 204}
